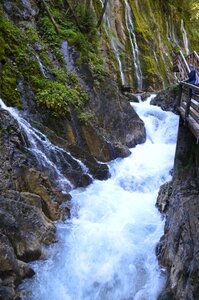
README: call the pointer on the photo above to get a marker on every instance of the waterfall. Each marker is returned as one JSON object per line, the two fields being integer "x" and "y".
{"x": 41, "y": 66}
{"x": 185, "y": 39}
{"x": 68, "y": 58}
{"x": 113, "y": 40}
{"x": 170, "y": 30}
{"x": 106, "y": 250}
{"x": 51, "y": 159}
{"x": 134, "y": 46}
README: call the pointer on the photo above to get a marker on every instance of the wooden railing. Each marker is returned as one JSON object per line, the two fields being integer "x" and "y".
{"x": 188, "y": 106}
{"x": 193, "y": 59}
{"x": 181, "y": 65}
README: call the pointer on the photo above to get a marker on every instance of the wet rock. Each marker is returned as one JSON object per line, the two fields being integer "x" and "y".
{"x": 178, "y": 249}
{"x": 9, "y": 263}
{"x": 25, "y": 270}
{"x": 31, "y": 199}
{"x": 26, "y": 227}
{"x": 167, "y": 99}
{"x": 166, "y": 296}
{"x": 12, "y": 270}
{"x": 22, "y": 10}
{"x": 7, "y": 292}
{"x": 98, "y": 170}
{"x": 145, "y": 95}
{"x": 28, "y": 179}
{"x": 116, "y": 117}
{"x": 100, "y": 148}
{"x": 163, "y": 196}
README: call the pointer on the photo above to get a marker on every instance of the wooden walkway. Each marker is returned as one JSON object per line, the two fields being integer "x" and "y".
{"x": 188, "y": 103}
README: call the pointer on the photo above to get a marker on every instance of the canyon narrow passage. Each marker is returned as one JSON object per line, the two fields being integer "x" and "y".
{"x": 106, "y": 250}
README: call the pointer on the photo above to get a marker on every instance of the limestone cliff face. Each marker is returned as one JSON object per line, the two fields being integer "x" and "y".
{"x": 61, "y": 85}
{"x": 142, "y": 36}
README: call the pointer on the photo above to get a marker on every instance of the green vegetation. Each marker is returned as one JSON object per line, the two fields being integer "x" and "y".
{"x": 21, "y": 43}
{"x": 85, "y": 116}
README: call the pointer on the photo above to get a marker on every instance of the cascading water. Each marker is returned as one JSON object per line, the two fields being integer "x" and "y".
{"x": 41, "y": 66}
{"x": 171, "y": 34}
{"x": 185, "y": 39}
{"x": 51, "y": 159}
{"x": 106, "y": 251}
{"x": 134, "y": 46}
{"x": 114, "y": 44}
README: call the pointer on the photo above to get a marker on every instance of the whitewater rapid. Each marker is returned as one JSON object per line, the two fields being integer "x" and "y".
{"x": 106, "y": 250}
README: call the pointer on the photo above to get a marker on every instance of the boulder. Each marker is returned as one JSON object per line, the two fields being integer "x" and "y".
{"x": 26, "y": 227}
{"x": 167, "y": 99}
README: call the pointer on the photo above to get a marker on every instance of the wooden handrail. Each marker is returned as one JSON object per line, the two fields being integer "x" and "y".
{"x": 184, "y": 61}
{"x": 182, "y": 64}
{"x": 190, "y": 86}
{"x": 188, "y": 106}
{"x": 188, "y": 98}
{"x": 193, "y": 59}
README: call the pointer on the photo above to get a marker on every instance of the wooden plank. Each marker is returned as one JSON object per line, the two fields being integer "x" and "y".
{"x": 195, "y": 105}
{"x": 190, "y": 86}
{"x": 187, "y": 110}
{"x": 194, "y": 114}
{"x": 194, "y": 126}
{"x": 181, "y": 111}
{"x": 196, "y": 97}
{"x": 183, "y": 104}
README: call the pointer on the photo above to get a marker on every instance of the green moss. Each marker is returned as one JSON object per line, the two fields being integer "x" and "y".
{"x": 17, "y": 53}
{"x": 85, "y": 117}
{"x": 9, "y": 89}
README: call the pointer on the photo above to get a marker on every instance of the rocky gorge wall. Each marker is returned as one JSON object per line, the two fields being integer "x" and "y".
{"x": 178, "y": 201}
{"x": 146, "y": 43}
{"x": 65, "y": 79}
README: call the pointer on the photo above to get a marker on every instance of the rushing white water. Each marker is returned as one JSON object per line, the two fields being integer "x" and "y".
{"x": 134, "y": 46}
{"x": 106, "y": 251}
{"x": 185, "y": 39}
{"x": 50, "y": 158}
{"x": 108, "y": 28}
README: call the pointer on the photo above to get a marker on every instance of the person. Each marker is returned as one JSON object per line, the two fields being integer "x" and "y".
{"x": 193, "y": 79}
{"x": 192, "y": 75}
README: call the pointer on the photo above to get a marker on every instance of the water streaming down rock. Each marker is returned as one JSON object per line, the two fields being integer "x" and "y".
{"x": 134, "y": 46}
{"x": 58, "y": 164}
{"x": 171, "y": 33}
{"x": 185, "y": 39}
{"x": 108, "y": 28}
{"x": 67, "y": 50}
{"x": 41, "y": 66}
{"x": 106, "y": 251}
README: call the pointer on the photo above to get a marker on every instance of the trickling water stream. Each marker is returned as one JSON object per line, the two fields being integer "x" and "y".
{"x": 134, "y": 46}
{"x": 106, "y": 251}
{"x": 108, "y": 28}
{"x": 185, "y": 39}
{"x": 56, "y": 162}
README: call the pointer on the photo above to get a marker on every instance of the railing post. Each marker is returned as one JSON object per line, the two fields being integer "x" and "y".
{"x": 179, "y": 95}
{"x": 187, "y": 110}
